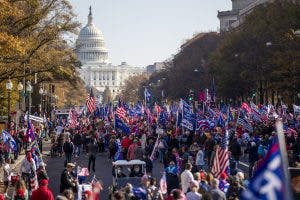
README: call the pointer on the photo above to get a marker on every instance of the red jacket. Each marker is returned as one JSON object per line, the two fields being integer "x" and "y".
{"x": 126, "y": 142}
{"x": 42, "y": 192}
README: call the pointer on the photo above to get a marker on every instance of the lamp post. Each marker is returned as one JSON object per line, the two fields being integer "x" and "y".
{"x": 20, "y": 89}
{"x": 9, "y": 86}
{"x": 29, "y": 90}
{"x": 41, "y": 92}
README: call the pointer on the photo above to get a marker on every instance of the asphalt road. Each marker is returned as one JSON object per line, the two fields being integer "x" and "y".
{"x": 55, "y": 165}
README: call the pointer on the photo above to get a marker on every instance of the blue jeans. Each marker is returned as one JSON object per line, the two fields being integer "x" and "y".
{"x": 68, "y": 158}
{"x": 77, "y": 149}
{"x": 161, "y": 153}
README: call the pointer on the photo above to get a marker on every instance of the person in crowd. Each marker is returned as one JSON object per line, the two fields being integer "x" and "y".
{"x": 112, "y": 147}
{"x": 118, "y": 195}
{"x": 28, "y": 169}
{"x": 42, "y": 192}
{"x": 77, "y": 142}
{"x": 200, "y": 159}
{"x": 41, "y": 172}
{"x": 69, "y": 194}
{"x": 172, "y": 178}
{"x": 92, "y": 152}
{"x": 68, "y": 148}
{"x": 235, "y": 189}
{"x": 138, "y": 152}
{"x": 186, "y": 178}
{"x": 20, "y": 192}
{"x": 153, "y": 191}
{"x": 216, "y": 193}
{"x": 60, "y": 144}
{"x": 149, "y": 164}
{"x": 67, "y": 180}
{"x": 6, "y": 175}
{"x": 236, "y": 152}
{"x": 128, "y": 193}
{"x": 194, "y": 194}
{"x": 253, "y": 155}
{"x": 176, "y": 194}
{"x": 162, "y": 147}
{"x": 223, "y": 182}
{"x": 136, "y": 172}
{"x": 120, "y": 173}
{"x": 131, "y": 150}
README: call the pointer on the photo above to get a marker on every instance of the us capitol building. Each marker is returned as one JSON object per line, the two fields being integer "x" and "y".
{"x": 96, "y": 71}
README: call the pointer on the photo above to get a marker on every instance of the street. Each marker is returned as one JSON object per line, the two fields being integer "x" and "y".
{"x": 55, "y": 166}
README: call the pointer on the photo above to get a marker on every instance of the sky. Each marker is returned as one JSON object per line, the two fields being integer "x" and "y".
{"x": 141, "y": 32}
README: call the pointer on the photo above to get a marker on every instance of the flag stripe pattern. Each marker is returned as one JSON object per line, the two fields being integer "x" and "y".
{"x": 91, "y": 102}
{"x": 72, "y": 118}
{"x": 122, "y": 114}
{"x": 221, "y": 160}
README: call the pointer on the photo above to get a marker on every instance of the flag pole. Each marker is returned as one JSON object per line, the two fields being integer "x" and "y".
{"x": 282, "y": 148}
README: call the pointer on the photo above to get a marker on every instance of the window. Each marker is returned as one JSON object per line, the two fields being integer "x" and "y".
{"x": 104, "y": 76}
{"x": 113, "y": 76}
{"x": 95, "y": 76}
{"x": 100, "y": 76}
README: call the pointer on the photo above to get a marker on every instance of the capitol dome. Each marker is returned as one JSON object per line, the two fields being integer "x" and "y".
{"x": 90, "y": 46}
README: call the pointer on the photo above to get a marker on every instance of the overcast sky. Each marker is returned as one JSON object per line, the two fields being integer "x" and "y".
{"x": 142, "y": 32}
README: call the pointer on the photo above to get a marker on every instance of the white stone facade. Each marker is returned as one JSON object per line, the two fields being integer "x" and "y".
{"x": 240, "y": 9}
{"x": 96, "y": 71}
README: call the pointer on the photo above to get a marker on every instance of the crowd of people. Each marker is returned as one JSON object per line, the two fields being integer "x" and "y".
{"x": 185, "y": 157}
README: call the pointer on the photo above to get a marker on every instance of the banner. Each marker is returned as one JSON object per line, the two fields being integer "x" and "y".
{"x": 188, "y": 117}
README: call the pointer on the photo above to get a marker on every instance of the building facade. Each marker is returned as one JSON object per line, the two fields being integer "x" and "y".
{"x": 96, "y": 71}
{"x": 240, "y": 9}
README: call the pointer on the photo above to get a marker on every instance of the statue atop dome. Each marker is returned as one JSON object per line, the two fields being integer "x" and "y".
{"x": 90, "y": 16}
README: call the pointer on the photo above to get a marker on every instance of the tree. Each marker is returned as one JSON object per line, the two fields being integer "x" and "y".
{"x": 31, "y": 37}
{"x": 107, "y": 98}
{"x": 243, "y": 63}
{"x": 32, "y": 42}
{"x": 187, "y": 70}
{"x": 130, "y": 93}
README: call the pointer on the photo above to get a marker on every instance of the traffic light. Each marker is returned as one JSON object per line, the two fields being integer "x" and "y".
{"x": 191, "y": 95}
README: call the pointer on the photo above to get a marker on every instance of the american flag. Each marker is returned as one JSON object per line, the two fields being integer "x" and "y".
{"x": 122, "y": 114}
{"x": 91, "y": 102}
{"x": 244, "y": 123}
{"x": 72, "y": 118}
{"x": 221, "y": 160}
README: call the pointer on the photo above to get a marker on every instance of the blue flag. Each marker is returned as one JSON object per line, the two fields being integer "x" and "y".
{"x": 6, "y": 137}
{"x": 268, "y": 181}
{"x": 188, "y": 117}
{"x": 118, "y": 155}
{"x": 119, "y": 124}
{"x": 147, "y": 95}
{"x": 220, "y": 121}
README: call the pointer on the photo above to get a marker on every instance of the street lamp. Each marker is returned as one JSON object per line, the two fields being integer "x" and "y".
{"x": 20, "y": 89}
{"x": 9, "y": 86}
{"x": 41, "y": 92}
{"x": 29, "y": 90}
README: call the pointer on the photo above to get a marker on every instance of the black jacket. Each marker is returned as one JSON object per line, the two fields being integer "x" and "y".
{"x": 68, "y": 147}
{"x": 77, "y": 139}
{"x": 67, "y": 181}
